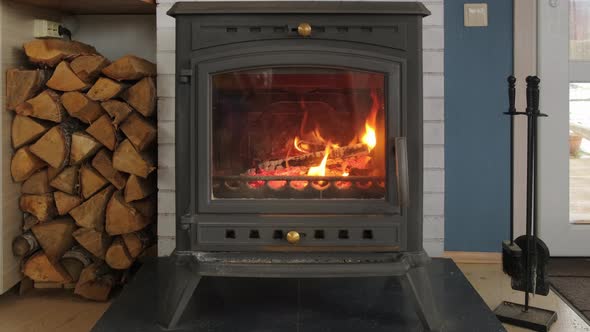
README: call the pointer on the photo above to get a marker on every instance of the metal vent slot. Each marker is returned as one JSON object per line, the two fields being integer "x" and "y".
{"x": 231, "y": 29}
{"x": 319, "y": 29}
{"x": 277, "y": 235}
{"x": 367, "y": 234}
{"x": 343, "y": 234}
{"x": 230, "y": 234}
{"x": 319, "y": 234}
{"x": 366, "y": 29}
{"x": 255, "y": 29}
{"x": 280, "y": 29}
{"x": 342, "y": 29}
{"x": 254, "y": 234}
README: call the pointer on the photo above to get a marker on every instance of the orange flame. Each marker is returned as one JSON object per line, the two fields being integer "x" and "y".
{"x": 369, "y": 137}
{"x": 320, "y": 170}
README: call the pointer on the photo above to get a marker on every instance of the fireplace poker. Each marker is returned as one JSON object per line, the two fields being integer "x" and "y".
{"x": 525, "y": 258}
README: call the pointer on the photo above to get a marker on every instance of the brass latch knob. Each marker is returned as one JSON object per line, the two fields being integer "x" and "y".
{"x": 304, "y": 29}
{"x": 293, "y": 237}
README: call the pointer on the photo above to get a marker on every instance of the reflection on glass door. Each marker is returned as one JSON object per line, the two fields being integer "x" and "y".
{"x": 579, "y": 111}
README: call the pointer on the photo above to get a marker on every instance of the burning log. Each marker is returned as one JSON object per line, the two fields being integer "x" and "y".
{"x": 312, "y": 158}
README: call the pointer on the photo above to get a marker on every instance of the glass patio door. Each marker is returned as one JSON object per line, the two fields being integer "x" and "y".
{"x": 564, "y": 146}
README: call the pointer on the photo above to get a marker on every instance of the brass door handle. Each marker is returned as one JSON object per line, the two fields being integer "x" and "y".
{"x": 304, "y": 29}
{"x": 293, "y": 237}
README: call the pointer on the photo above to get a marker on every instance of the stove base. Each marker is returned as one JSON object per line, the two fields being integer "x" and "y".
{"x": 189, "y": 267}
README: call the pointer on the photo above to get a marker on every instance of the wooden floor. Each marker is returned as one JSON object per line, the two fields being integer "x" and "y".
{"x": 579, "y": 188}
{"x": 54, "y": 310}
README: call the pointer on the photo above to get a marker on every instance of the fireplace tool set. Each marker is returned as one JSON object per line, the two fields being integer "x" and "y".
{"x": 525, "y": 258}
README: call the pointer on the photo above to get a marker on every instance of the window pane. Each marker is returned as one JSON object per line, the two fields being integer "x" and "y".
{"x": 579, "y": 145}
{"x": 297, "y": 132}
{"x": 580, "y": 30}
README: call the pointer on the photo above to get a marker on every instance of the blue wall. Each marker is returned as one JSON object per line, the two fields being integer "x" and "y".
{"x": 477, "y": 62}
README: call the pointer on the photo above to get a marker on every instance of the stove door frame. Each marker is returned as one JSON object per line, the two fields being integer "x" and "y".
{"x": 204, "y": 66}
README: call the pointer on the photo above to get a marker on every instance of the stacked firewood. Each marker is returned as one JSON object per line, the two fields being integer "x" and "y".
{"x": 83, "y": 135}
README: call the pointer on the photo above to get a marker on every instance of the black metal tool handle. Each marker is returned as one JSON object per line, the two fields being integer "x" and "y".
{"x": 403, "y": 180}
{"x": 535, "y": 93}
{"x": 511, "y": 94}
{"x": 529, "y": 94}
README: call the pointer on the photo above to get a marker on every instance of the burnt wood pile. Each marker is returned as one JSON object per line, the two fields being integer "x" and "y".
{"x": 83, "y": 134}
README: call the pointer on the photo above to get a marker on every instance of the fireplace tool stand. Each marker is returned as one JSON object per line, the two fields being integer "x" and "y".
{"x": 525, "y": 258}
{"x": 182, "y": 273}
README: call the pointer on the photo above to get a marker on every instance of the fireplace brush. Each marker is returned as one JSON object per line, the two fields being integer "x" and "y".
{"x": 525, "y": 258}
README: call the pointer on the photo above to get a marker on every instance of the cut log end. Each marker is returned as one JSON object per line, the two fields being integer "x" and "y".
{"x": 24, "y": 164}
{"x": 142, "y": 96}
{"x": 123, "y": 218}
{"x": 130, "y": 67}
{"x": 64, "y": 79}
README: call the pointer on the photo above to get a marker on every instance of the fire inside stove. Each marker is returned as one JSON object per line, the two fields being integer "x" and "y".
{"x": 298, "y": 133}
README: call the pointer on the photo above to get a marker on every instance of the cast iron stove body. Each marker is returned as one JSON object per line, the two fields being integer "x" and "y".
{"x": 298, "y": 143}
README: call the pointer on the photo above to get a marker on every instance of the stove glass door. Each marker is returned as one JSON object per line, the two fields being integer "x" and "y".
{"x": 298, "y": 132}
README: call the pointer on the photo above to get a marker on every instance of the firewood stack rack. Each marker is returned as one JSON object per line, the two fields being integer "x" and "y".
{"x": 83, "y": 133}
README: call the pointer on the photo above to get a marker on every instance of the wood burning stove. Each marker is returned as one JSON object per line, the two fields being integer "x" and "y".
{"x": 298, "y": 144}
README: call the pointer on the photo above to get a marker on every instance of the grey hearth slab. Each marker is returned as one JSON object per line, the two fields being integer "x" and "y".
{"x": 303, "y": 305}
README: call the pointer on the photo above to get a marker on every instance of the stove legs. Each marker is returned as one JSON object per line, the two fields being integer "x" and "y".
{"x": 417, "y": 282}
{"x": 179, "y": 283}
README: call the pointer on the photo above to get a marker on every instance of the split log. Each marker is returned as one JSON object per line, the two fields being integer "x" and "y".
{"x": 90, "y": 181}
{"x": 29, "y": 221}
{"x": 84, "y": 146}
{"x": 55, "y": 237}
{"x": 95, "y": 283}
{"x": 74, "y": 261}
{"x": 23, "y": 84}
{"x": 25, "y": 130}
{"x": 37, "y": 183}
{"x": 140, "y": 132}
{"x": 123, "y": 218}
{"x": 137, "y": 242}
{"x": 94, "y": 241}
{"x": 54, "y": 146}
{"x": 65, "y": 202}
{"x": 88, "y": 67}
{"x": 118, "y": 256}
{"x": 45, "y": 105}
{"x": 91, "y": 214}
{"x": 127, "y": 159}
{"x": 67, "y": 181}
{"x": 64, "y": 79}
{"x": 24, "y": 164}
{"x": 40, "y": 268}
{"x": 118, "y": 110}
{"x": 41, "y": 206}
{"x": 103, "y": 163}
{"x": 105, "y": 89}
{"x": 313, "y": 158}
{"x": 103, "y": 131}
{"x": 25, "y": 244}
{"x": 142, "y": 96}
{"x": 147, "y": 206}
{"x": 53, "y": 172}
{"x": 51, "y": 51}
{"x": 139, "y": 188}
{"x": 130, "y": 67}
{"x": 81, "y": 107}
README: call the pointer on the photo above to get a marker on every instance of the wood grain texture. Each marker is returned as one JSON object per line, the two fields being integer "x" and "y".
{"x": 87, "y": 7}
